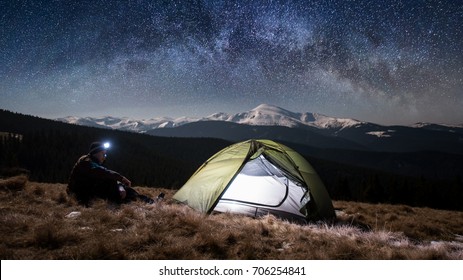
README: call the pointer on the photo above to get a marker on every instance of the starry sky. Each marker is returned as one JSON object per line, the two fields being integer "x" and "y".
{"x": 389, "y": 62}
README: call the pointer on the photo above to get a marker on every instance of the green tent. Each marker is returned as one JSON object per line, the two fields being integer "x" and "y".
{"x": 258, "y": 177}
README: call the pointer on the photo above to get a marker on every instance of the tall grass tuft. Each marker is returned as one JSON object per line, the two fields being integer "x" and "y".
{"x": 17, "y": 183}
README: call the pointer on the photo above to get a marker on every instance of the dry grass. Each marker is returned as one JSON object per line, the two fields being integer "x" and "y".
{"x": 17, "y": 183}
{"x": 35, "y": 224}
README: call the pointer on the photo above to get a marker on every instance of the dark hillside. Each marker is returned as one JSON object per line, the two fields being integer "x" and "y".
{"x": 375, "y": 153}
{"x": 354, "y": 183}
{"x": 239, "y": 132}
{"x": 426, "y": 164}
{"x": 48, "y": 149}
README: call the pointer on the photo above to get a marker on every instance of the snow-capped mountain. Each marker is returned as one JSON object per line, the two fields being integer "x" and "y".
{"x": 269, "y": 115}
{"x": 262, "y": 115}
{"x": 129, "y": 124}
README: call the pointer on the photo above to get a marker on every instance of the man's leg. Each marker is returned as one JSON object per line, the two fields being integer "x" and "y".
{"x": 108, "y": 189}
{"x": 132, "y": 194}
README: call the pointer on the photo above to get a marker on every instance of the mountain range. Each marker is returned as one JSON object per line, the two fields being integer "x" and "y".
{"x": 307, "y": 129}
{"x": 262, "y": 115}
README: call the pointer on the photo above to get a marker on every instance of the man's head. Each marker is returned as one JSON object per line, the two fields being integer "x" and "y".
{"x": 98, "y": 150}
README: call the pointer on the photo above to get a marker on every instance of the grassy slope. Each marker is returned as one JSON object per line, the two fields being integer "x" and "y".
{"x": 33, "y": 225}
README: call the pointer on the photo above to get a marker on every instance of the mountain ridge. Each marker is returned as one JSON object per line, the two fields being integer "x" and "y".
{"x": 262, "y": 115}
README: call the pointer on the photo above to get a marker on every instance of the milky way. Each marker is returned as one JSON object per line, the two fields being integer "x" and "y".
{"x": 382, "y": 61}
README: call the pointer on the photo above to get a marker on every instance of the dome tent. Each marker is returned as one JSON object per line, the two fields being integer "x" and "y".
{"x": 255, "y": 178}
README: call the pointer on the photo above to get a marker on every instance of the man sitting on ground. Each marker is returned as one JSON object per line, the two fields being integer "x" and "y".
{"x": 90, "y": 179}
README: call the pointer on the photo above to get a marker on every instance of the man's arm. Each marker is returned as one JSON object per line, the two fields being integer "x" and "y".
{"x": 99, "y": 171}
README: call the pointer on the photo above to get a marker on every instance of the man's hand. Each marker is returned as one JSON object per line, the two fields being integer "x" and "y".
{"x": 126, "y": 182}
{"x": 122, "y": 192}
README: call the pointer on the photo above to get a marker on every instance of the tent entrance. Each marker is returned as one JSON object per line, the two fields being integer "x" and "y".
{"x": 262, "y": 187}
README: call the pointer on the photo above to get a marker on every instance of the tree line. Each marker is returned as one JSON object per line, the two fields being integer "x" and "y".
{"x": 47, "y": 150}
{"x": 353, "y": 183}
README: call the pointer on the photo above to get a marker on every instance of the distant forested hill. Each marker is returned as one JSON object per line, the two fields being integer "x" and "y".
{"x": 49, "y": 149}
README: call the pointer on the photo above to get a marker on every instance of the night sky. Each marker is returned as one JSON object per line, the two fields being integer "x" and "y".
{"x": 390, "y": 62}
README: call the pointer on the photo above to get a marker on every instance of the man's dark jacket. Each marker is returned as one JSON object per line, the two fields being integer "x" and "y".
{"x": 90, "y": 179}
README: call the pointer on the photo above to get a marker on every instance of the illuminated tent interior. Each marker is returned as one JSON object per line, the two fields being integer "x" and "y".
{"x": 255, "y": 178}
